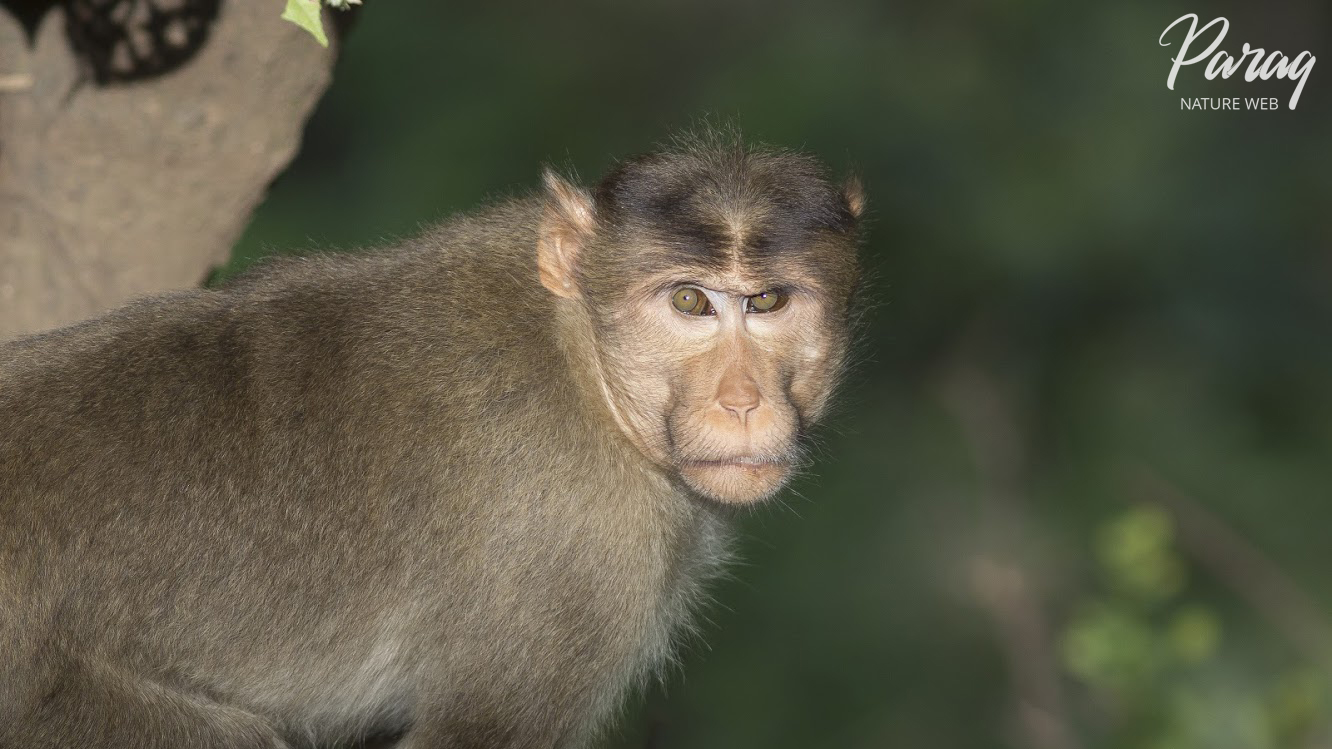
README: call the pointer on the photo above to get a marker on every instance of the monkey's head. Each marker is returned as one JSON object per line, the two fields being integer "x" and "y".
{"x": 718, "y": 281}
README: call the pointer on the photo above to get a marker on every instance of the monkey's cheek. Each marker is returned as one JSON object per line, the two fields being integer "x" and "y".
{"x": 735, "y": 483}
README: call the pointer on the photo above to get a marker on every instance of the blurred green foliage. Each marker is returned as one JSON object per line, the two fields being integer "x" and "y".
{"x": 1158, "y": 662}
{"x": 1130, "y": 288}
{"x": 1136, "y": 553}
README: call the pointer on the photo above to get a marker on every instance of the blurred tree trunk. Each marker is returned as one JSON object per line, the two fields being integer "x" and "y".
{"x": 127, "y": 169}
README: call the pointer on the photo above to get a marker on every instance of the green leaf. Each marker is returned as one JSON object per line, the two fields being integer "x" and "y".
{"x": 1110, "y": 646}
{"x": 305, "y": 13}
{"x": 1297, "y": 707}
{"x": 1194, "y": 633}
{"x": 1135, "y": 551}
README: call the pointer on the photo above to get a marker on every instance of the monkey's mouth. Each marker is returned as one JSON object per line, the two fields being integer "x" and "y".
{"x": 739, "y": 480}
{"x": 743, "y": 461}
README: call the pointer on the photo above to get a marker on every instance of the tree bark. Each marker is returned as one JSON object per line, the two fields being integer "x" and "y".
{"x": 113, "y": 191}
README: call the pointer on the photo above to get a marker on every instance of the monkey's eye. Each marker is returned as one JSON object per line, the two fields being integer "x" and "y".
{"x": 768, "y": 301}
{"x": 691, "y": 301}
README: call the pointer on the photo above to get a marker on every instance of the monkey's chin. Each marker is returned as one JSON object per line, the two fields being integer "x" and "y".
{"x": 735, "y": 481}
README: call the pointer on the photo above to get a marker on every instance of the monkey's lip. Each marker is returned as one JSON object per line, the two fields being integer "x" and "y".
{"x": 736, "y": 480}
{"x": 743, "y": 461}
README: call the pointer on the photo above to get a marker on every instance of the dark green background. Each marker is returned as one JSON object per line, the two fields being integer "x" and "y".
{"x": 1084, "y": 300}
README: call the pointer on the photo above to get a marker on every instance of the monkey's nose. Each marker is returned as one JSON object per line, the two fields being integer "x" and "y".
{"x": 739, "y": 395}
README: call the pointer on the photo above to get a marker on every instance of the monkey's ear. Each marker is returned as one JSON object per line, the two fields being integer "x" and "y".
{"x": 853, "y": 192}
{"x": 567, "y": 223}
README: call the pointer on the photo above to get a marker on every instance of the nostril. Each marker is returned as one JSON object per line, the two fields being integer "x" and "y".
{"x": 739, "y": 408}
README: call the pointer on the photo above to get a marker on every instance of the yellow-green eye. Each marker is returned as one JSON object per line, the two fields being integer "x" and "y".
{"x": 691, "y": 301}
{"x": 768, "y": 301}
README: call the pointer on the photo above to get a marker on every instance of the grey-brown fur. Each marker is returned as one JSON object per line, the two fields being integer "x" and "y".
{"x": 342, "y": 495}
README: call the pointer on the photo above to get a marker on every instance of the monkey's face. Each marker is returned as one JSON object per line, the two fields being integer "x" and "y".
{"x": 717, "y": 281}
{"x": 714, "y": 377}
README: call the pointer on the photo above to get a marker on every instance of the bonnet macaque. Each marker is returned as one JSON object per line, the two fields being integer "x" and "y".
{"x": 463, "y": 490}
